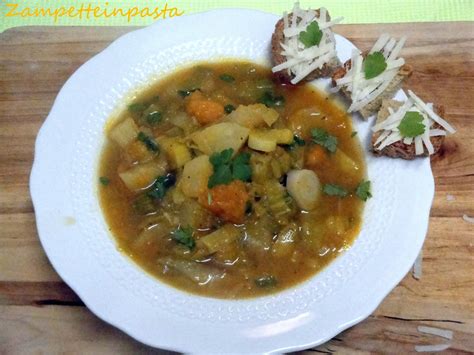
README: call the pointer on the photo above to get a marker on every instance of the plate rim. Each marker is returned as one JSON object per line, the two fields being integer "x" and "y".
{"x": 43, "y": 239}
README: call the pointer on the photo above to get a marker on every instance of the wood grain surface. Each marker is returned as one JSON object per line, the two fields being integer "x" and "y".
{"x": 40, "y": 314}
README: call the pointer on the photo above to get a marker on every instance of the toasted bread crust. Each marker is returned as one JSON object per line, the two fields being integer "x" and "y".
{"x": 373, "y": 106}
{"x": 278, "y": 58}
{"x": 400, "y": 149}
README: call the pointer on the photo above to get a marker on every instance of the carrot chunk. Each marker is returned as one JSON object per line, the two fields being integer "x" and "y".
{"x": 316, "y": 156}
{"x": 227, "y": 202}
{"x": 204, "y": 110}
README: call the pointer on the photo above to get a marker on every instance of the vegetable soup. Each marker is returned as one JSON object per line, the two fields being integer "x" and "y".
{"x": 220, "y": 182}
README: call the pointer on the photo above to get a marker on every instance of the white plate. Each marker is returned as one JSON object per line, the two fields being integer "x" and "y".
{"x": 76, "y": 239}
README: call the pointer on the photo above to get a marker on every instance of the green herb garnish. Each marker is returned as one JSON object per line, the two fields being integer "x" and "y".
{"x": 137, "y": 107}
{"x": 161, "y": 185}
{"x": 222, "y": 176}
{"x": 374, "y": 65}
{"x": 229, "y": 108}
{"x": 154, "y": 118}
{"x": 184, "y": 236}
{"x": 312, "y": 36}
{"x": 411, "y": 125}
{"x": 149, "y": 142}
{"x": 266, "y": 281}
{"x": 186, "y": 92}
{"x": 335, "y": 190}
{"x": 241, "y": 167}
{"x": 353, "y": 134}
{"x": 227, "y": 78}
{"x": 363, "y": 190}
{"x": 227, "y": 169}
{"x": 323, "y": 138}
{"x": 104, "y": 180}
{"x": 270, "y": 100}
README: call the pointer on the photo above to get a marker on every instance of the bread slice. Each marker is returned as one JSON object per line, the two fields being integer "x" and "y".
{"x": 325, "y": 71}
{"x": 400, "y": 149}
{"x": 372, "y": 107}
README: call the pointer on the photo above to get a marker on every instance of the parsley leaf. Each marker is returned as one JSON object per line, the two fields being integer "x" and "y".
{"x": 222, "y": 176}
{"x": 229, "y": 108}
{"x": 137, "y": 107}
{"x": 411, "y": 125}
{"x": 104, "y": 180}
{"x": 335, "y": 190}
{"x": 240, "y": 167}
{"x": 154, "y": 118}
{"x": 149, "y": 142}
{"x": 323, "y": 138}
{"x": 374, "y": 65}
{"x": 227, "y": 169}
{"x": 363, "y": 190}
{"x": 161, "y": 185}
{"x": 227, "y": 78}
{"x": 184, "y": 235}
{"x": 270, "y": 100}
{"x": 221, "y": 158}
{"x": 312, "y": 36}
{"x": 353, "y": 134}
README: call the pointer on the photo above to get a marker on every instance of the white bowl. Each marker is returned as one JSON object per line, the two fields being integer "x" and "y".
{"x": 75, "y": 236}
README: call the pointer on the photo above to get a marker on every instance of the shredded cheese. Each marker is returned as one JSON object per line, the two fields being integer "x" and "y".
{"x": 364, "y": 91}
{"x": 431, "y": 348}
{"x": 417, "y": 266}
{"x": 391, "y": 134}
{"x": 468, "y": 219}
{"x": 301, "y": 61}
{"x": 443, "y": 333}
{"x": 450, "y": 198}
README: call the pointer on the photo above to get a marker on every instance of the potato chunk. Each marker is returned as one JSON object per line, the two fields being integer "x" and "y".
{"x": 253, "y": 116}
{"x": 142, "y": 175}
{"x": 267, "y": 140}
{"x": 304, "y": 187}
{"x": 196, "y": 174}
{"x": 221, "y": 136}
{"x": 176, "y": 151}
{"x": 124, "y": 133}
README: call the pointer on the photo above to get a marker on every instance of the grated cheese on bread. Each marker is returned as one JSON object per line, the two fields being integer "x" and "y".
{"x": 399, "y": 149}
{"x": 366, "y": 95}
{"x": 293, "y": 61}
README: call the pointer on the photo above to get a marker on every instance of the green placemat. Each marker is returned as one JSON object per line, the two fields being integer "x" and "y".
{"x": 144, "y": 12}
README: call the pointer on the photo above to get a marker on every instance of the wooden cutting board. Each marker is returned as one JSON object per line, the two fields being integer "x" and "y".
{"x": 39, "y": 313}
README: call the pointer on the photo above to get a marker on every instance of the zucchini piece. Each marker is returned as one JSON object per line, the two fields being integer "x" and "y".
{"x": 219, "y": 239}
{"x": 285, "y": 242}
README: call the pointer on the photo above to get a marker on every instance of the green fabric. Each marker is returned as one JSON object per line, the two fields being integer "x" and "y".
{"x": 353, "y": 11}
